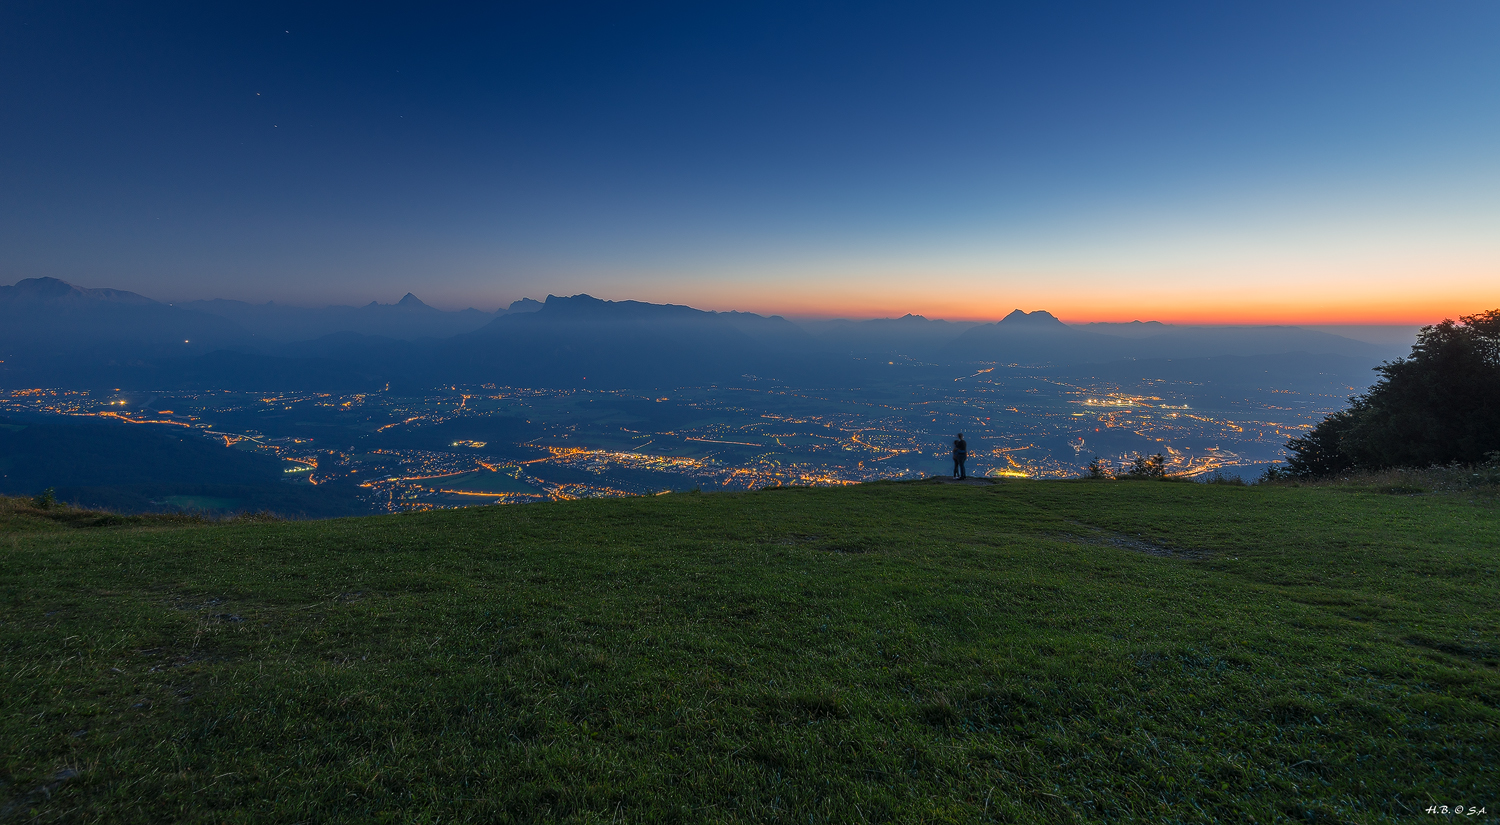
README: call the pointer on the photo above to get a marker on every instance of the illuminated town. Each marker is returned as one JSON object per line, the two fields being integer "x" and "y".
{"x": 461, "y": 446}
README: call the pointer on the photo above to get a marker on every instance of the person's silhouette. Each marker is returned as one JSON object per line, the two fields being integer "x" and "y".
{"x": 960, "y": 455}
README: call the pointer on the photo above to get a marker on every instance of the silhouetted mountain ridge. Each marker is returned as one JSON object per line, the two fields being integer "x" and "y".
{"x": 52, "y": 289}
{"x": 56, "y": 332}
{"x": 1039, "y": 319}
{"x": 577, "y": 339}
{"x": 407, "y": 319}
{"x": 1023, "y": 338}
{"x": 47, "y": 317}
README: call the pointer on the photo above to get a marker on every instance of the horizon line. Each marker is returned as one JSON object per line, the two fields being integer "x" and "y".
{"x": 1320, "y": 316}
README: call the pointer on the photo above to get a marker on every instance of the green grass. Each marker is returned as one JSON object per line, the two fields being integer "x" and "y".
{"x": 203, "y": 503}
{"x": 1023, "y": 652}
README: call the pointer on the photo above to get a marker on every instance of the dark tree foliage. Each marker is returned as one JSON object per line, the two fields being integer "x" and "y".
{"x": 1438, "y": 405}
{"x": 1098, "y": 468}
{"x": 1317, "y": 454}
{"x": 1148, "y": 467}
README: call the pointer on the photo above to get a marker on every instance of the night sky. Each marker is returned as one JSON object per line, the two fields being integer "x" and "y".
{"x": 1213, "y": 162}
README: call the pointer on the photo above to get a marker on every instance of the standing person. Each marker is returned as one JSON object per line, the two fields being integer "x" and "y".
{"x": 960, "y": 455}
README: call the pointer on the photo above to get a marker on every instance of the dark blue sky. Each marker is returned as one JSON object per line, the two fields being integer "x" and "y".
{"x": 1324, "y": 161}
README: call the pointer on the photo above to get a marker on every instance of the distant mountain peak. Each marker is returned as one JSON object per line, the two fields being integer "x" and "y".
{"x": 43, "y": 287}
{"x": 411, "y": 301}
{"x": 581, "y": 299}
{"x": 53, "y": 289}
{"x": 587, "y": 306}
{"x": 1127, "y": 329}
{"x": 525, "y": 305}
{"x": 1037, "y": 318}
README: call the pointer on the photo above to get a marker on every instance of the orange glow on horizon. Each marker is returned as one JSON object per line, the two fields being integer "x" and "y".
{"x": 1281, "y": 297}
{"x": 1367, "y": 313}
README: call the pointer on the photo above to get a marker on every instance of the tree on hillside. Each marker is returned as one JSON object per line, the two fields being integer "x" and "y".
{"x": 1147, "y": 467}
{"x": 1438, "y": 405}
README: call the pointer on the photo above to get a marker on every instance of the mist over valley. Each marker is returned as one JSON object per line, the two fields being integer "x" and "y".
{"x": 390, "y": 407}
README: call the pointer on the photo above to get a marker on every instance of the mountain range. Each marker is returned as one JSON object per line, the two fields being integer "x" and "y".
{"x": 408, "y": 319}
{"x": 53, "y": 333}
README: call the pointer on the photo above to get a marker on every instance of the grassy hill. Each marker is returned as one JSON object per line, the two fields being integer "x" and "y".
{"x": 1022, "y": 652}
